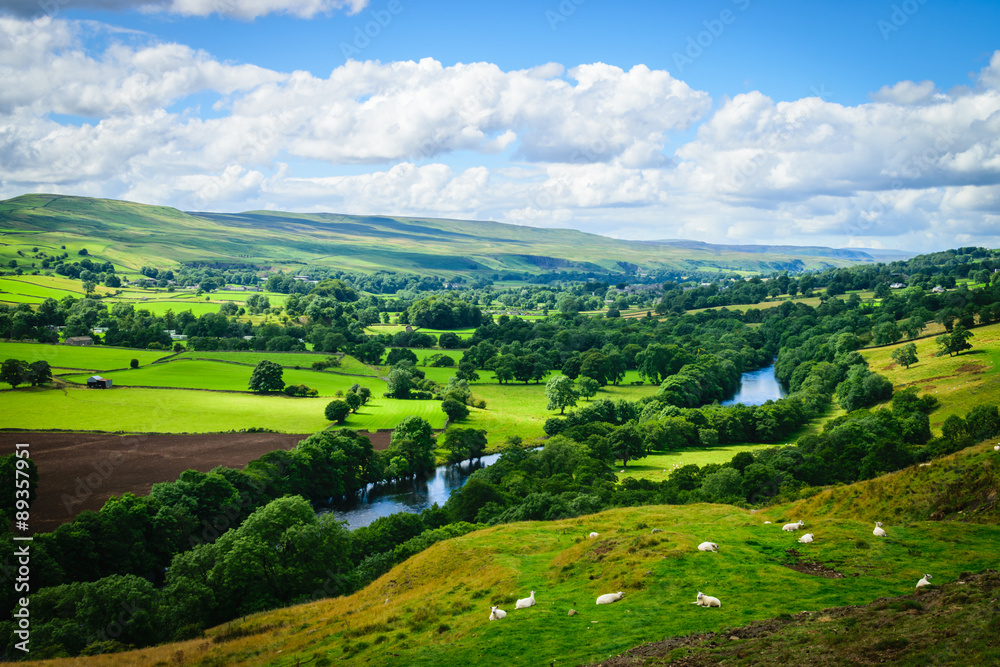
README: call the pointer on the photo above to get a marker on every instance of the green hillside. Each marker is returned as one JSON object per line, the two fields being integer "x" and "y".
{"x": 133, "y": 235}
{"x": 433, "y": 608}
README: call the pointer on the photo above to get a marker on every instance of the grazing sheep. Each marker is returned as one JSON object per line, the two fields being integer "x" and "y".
{"x": 767, "y": 522}
{"x": 996, "y": 448}
{"x": 592, "y": 535}
{"x": 496, "y": 613}
{"x": 707, "y": 601}
{"x": 524, "y": 603}
{"x": 806, "y": 539}
{"x": 790, "y": 527}
{"x": 878, "y": 532}
{"x": 708, "y": 546}
{"x": 925, "y": 581}
{"x": 608, "y": 598}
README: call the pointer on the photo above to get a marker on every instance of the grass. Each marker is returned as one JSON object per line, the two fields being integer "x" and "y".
{"x": 136, "y": 410}
{"x": 287, "y": 359}
{"x": 658, "y": 466}
{"x": 433, "y": 608}
{"x": 960, "y": 383}
{"x": 97, "y": 358}
{"x": 224, "y": 376}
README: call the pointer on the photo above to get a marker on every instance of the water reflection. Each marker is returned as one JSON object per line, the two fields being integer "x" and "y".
{"x": 758, "y": 387}
{"x": 408, "y": 496}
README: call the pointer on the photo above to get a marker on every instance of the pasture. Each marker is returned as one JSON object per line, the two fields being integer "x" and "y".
{"x": 960, "y": 383}
{"x": 439, "y": 617}
{"x": 96, "y": 358}
{"x": 223, "y": 376}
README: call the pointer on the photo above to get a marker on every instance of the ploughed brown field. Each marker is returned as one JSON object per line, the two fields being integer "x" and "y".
{"x": 80, "y": 471}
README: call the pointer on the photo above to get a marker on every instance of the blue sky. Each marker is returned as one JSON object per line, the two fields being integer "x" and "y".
{"x": 869, "y": 124}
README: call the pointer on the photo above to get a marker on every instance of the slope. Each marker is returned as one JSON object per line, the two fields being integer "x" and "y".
{"x": 133, "y": 235}
{"x": 433, "y": 608}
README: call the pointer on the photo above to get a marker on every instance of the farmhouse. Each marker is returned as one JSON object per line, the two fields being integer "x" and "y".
{"x": 79, "y": 340}
{"x": 97, "y": 382}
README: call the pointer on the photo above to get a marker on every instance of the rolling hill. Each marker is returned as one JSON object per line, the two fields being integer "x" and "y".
{"x": 132, "y": 235}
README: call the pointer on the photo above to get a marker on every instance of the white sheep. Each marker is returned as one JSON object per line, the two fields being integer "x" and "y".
{"x": 608, "y": 598}
{"x": 707, "y": 601}
{"x": 708, "y": 546}
{"x": 766, "y": 522}
{"x": 790, "y": 527}
{"x": 592, "y": 535}
{"x": 806, "y": 539}
{"x": 496, "y": 613}
{"x": 524, "y": 603}
{"x": 925, "y": 581}
{"x": 878, "y": 532}
{"x": 996, "y": 448}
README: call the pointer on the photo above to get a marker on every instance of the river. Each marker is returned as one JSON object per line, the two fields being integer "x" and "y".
{"x": 409, "y": 496}
{"x": 758, "y": 387}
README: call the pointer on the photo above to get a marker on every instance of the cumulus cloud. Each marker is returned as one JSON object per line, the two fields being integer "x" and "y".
{"x": 246, "y": 10}
{"x": 580, "y": 147}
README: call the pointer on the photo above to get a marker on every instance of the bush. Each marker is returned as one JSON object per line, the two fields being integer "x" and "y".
{"x": 337, "y": 411}
{"x": 454, "y": 409}
{"x": 134, "y": 363}
{"x": 300, "y": 390}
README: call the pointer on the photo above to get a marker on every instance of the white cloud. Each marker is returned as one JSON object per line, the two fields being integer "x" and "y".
{"x": 246, "y": 10}
{"x": 581, "y": 147}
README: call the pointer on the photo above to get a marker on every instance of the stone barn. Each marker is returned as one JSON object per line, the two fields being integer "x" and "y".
{"x": 97, "y": 382}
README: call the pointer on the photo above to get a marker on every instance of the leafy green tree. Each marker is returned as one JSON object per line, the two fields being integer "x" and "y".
{"x": 722, "y": 485}
{"x": 337, "y": 410}
{"x": 398, "y": 354}
{"x": 14, "y": 372}
{"x": 561, "y": 393}
{"x": 627, "y": 443}
{"x": 353, "y": 401}
{"x": 913, "y": 326}
{"x": 862, "y": 388}
{"x": 39, "y": 373}
{"x": 954, "y": 343}
{"x": 464, "y": 443}
{"x": 906, "y": 355}
{"x": 413, "y": 440}
{"x": 467, "y": 371}
{"x": 587, "y": 387}
{"x": 455, "y": 410}
{"x": 399, "y": 382}
{"x": 886, "y": 333}
{"x": 267, "y": 377}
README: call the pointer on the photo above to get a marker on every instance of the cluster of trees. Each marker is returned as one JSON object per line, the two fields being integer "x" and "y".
{"x": 17, "y": 372}
{"x": 445, "y": 311}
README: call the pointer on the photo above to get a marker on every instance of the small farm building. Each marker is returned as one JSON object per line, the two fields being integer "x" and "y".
{"x": 97, "y": 382}
{"x": 79, "y": 340}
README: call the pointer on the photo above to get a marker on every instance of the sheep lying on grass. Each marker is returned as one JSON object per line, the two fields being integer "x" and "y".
{"x": 524, "y": 603}
{"x": 926, "y": 581}
{"x": 996, "y": 448}
{"x": 608, "y": 598}
{"x": 708, "y": 546}
{"x": 496, "y": 613}
{"x": 593, "y": 535}
{"x": 806, "y": 539}
{"x": 878, "y": 532}
{"x": 707, "y": 601}
{"x": 793, "y": 526}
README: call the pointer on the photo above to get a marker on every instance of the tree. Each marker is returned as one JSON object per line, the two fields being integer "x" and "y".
{"x": 399, "y": 382}
{"x": 587, "y": 387}
{"x": 398, "y": 354}
{"x": 413, "y": 441}
{"x": 906, "y": 355}
{"x": 627, "y": 443}
{"x": 956, "y": 342}
{"x": 561, "y": 394}
{"x": 267, "y": 377}
{"x": 353, "y": 400}
{"x": 134, "y": 363}
{"x": 13, "y": 372}
{"x": 39, "y": 373}
{"x": 886, "y": 333}
{"x": 467, "y": 371}
{"x": 337, "y": 410}
{"x": 464, "y": 443}
{"x": 454, "y": 409}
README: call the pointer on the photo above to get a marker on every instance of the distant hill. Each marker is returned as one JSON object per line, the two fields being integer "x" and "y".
{"x": 134, "y": 235}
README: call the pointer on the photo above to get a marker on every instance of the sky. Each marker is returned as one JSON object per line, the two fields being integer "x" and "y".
{"x": 863, "y": 124}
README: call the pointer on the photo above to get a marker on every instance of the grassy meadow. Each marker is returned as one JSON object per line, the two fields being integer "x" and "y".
{"x": 97, "y": 358}
{"x": 433, "y": 608}
{"x": 960, "y": 382}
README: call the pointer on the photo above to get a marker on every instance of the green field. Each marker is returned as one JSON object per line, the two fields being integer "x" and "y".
{"x": 960, "y": 383}
{"x": 433, "y": 608}
{"x": 227, "y": 377}
{"x": 96, "y": 358}
{"x": 288, "y": 359}
{"x": 188, "y": 411}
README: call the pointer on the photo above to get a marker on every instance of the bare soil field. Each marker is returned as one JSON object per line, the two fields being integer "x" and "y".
{"x": 80, "y": 471}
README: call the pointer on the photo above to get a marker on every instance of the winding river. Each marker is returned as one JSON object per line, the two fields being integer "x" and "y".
{"x": 757, "y": 387}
